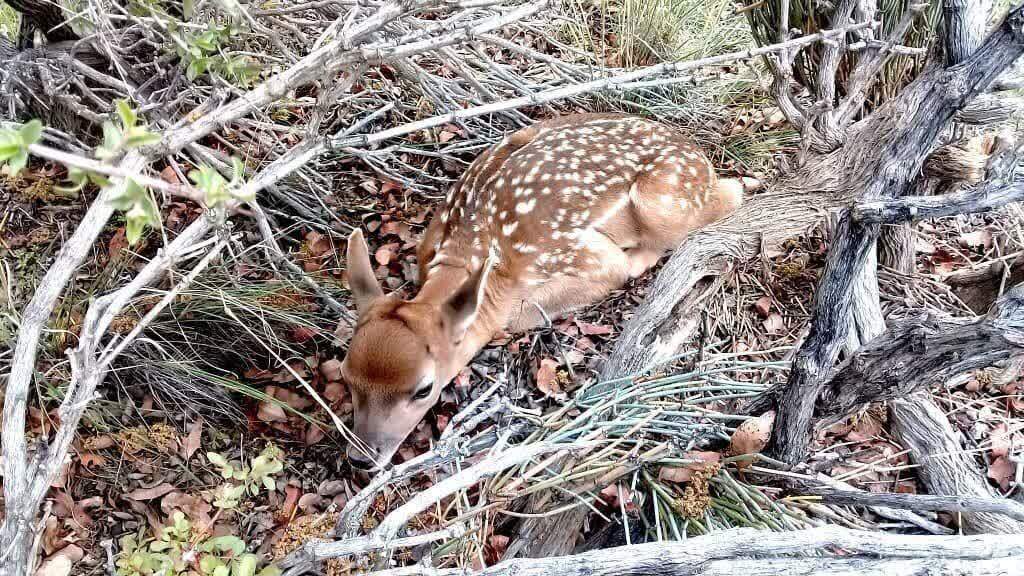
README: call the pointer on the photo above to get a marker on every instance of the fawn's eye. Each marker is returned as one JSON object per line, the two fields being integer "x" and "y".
{"x": 424, "y": 389}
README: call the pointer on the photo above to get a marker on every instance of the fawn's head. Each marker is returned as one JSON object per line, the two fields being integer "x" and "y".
{"x": 402, "y": 354}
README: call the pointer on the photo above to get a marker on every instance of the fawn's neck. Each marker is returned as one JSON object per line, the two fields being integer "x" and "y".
{"x": 492, "y": 315}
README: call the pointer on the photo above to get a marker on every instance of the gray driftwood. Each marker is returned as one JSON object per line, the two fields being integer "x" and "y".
{"x": 925, "y": 350}
{"x": 945, "y": 468}
{"x": 968, "y": 504}
{"x": 749, "y": 552}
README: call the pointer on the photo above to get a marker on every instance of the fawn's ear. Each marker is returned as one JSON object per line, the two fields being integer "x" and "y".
{"x": 361, "y": 280}
{"x": 460, "y": 309}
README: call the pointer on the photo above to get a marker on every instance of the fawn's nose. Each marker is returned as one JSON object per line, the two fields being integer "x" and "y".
{"x": 360, "y": 459}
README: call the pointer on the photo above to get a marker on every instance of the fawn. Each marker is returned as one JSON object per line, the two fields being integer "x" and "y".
{"x": 552, "y": 218}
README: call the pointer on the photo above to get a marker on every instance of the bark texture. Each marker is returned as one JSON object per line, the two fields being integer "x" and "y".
{"x": 944, "y": 466}
{"x": 924, "y": 350}
{"x": 749, "y": 552}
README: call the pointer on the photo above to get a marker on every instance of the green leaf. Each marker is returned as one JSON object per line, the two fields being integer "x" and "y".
{"x": 221, "y": 571}
{"x": 212, "y": 184}
{"x": 228, "y": 495}
{"x": 128, "y": 196}
{"x": 127, "y": 115}
{"x": 17, "y": 162}
{"x": 244, "y": 566}
{"x": 228, "y": 543}
{"x": 31, "y": 132}
{"x": 10, "y": 144}
{"x": 129, "y": 544}
{"x": 139, "y": 136}
{"x": 159, "y": 546}
{"x": 78, "y": 179}
{"x": 112, "y": 140}
{"x": 269, "y": 483}
{"x": 270, "y": 570}
{"x": 216, "y": 459}
{"x": 181, "y": 523}
{"x": 188, "y": 8}
{"x": 98, "y": 179}
{"x": 209, "y": 563}
{"x": 136, "y": 221}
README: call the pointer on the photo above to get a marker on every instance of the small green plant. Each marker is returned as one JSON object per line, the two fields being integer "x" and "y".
{"x": 135, "y": 200}
{"x": 216, "y": 189}
{"x": 182, "y": 549}
{"x": 139, "y": 208}
{"x": 14, "y": 144}
{"x": 247, "y": 479}
{"x": 202, "y": 51}
{"x": 125, "y": 136}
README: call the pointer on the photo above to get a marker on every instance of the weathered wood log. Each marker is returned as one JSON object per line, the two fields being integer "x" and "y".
{"x": 747, "y": 551}
{"x": 627, "y": 565}
{"x": 925, "y": 350}
{"x": 830, "y": 324}
{"x": 970, "y": 504}
{"x": 988, "y": 196}
{"x": 944, "y": 466}
{"x": 979, "y": 288}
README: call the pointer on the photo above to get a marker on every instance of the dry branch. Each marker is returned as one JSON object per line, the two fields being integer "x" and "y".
{"x": 981, "y": 198}
{"x": 749, "y": 551}
{"x": 925, "y": 350}
{"x": 971, "y": 504}
{"x": 944, "y": 467}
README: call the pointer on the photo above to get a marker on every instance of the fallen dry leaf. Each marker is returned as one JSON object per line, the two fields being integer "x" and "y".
{"x": 61, "y": 563}
{"x": 271, "y": 412}
{"x": 313, "y": 435}
{"x": 763, "y": 306}
{"x": 1001, "y": 440}
{"x": 331, "y": 370}
{"x": 91, "y": 459}
{"x": 291, "y": 502}
{"x": 594, "y": 329}
{"x": 684, "y": 473}
{"x": 117, "y": 245}
{"x": 302, "y": 334}
{"x": 143, "y": 494}
{"x": 547, "y": 377}
{"x": 616, "y": 495}
{"x": 751, "y": 437}
{"x": 385, "y": 253}
{"x": 495, "y": 549}
{"x": 194, "y": 507}
{"x": 169, "y": 175}
{"x": 1002, "y": 470}
{"x": 193, "y": 440}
